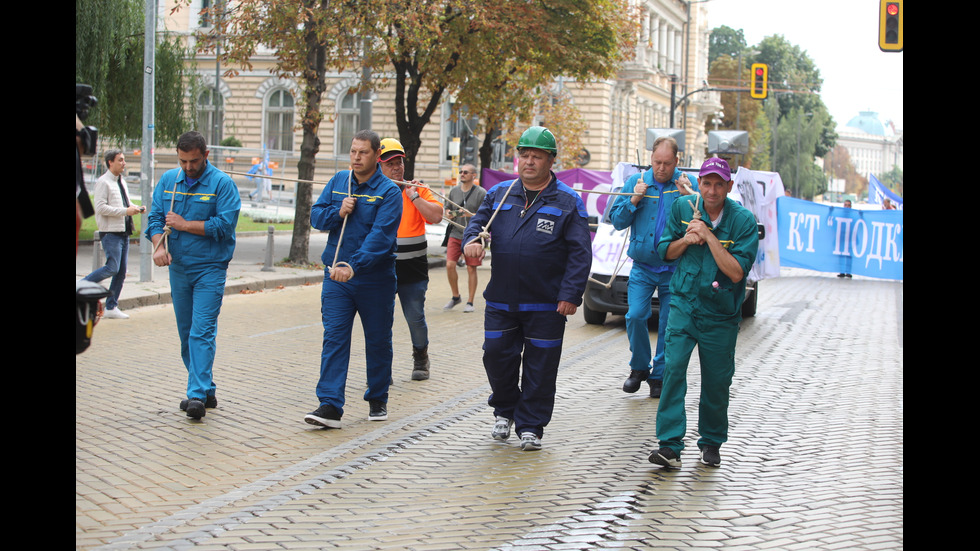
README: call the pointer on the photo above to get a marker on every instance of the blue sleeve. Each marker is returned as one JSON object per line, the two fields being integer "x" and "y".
{"x": 379, "y": 243}
{"x": 324, "y": 213}
{"x": 156, "y": 218}
{"x": 674, "y": 229}
{"x": 221, "y": 226}
{"x": 622, "y": 211}
{"x": 579, "y": 264}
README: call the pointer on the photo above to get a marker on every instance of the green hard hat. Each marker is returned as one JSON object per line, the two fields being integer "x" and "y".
{"x": 538, "y": 137}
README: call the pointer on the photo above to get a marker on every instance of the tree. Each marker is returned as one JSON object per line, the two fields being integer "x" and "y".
{"x": 494, "y": 56}
{"x": 308, "y": 36}
{"x": 838, "y": 165}
{"x": 794, "y": 83}
{"x": 510, "y": 87}
{"x": 725, "y": 41}
{"x": 109, "y": 38}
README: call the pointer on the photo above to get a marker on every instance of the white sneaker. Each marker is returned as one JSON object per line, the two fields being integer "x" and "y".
{"x": 468, "y": 307}
{"x": 530, "y": 441}
{"x": 501, "y": 429}
{"x": 452, "y": 302}
{"x": 115, "y": 314}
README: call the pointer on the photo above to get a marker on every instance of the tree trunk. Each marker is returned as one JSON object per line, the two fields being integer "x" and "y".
{"x": 315, "y": 85}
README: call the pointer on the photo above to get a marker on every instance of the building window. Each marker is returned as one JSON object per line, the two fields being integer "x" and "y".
{"x": 348, "y": 118}
{"x": 209, "y": 119}
{"x": 279, "y": 117}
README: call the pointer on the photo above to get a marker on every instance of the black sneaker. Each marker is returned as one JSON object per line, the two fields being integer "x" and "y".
{"x": 634, "y": 381}
{"x": 656, "y": 387}
{"x": 210, "y": 402}
{"x": 324, "y": 416}
{"x": 195, "y": 408}
{"x": 379, "y": 411}
{"x": 666, "y": 457}
{"x": 711, "y": 456}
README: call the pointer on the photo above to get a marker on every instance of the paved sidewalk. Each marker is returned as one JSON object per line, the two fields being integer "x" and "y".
{"x": 814, "y": 461}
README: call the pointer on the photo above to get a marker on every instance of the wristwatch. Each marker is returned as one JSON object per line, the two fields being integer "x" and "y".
{"x": 415, "y": 197}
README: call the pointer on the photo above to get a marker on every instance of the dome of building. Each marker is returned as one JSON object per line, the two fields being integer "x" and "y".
{"x": 868, "y": 123}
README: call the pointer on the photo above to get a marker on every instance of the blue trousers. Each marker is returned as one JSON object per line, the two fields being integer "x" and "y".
{"x": 116, "y": 249}
{"x": 640, "y": 290}
{"x": 716, "y": 350}
{"x": 532, "y": 340}
{"x": 412, "y": 297}
{"x": 197, "y": 293}
{"x": 373, "y": 299}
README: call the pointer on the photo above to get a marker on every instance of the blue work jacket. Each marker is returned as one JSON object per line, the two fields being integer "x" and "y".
{"x": 538, "y": 258}
{"x": 369, "y": 237}
{"x": 648, "y": 219}
{"x": 214, "y": 199}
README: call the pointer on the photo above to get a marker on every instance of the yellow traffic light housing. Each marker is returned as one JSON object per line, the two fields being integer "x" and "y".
{"x": 760, "y": 81}
{"x": 890, "y": 22}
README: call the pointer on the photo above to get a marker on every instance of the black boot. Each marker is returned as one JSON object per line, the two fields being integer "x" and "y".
{"x": 421, "y": 370}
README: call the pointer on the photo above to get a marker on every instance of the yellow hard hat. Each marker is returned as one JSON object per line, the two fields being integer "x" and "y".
{"x": 391, "y": 148}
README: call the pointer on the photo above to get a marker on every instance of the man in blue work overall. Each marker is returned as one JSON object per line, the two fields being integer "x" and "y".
{"x": 361, "y": 208}
{"x": 715, "y": 241}
{"x": 645, "y": 215}
{"x": 192, "y": 227}
{"x": 541, "y": 255}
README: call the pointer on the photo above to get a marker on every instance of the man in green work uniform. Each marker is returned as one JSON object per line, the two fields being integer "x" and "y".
{"x": 715, "y": 241}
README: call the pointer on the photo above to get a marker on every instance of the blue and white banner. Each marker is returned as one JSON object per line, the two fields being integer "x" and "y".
{"x": 877, "y": 193}
{"x": 840, "y": 240}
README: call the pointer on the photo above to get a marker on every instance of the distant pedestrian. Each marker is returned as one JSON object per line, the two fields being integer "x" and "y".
{"x": 192, "y": 227}
{"x": 361, "y": 209}
{"x": 845, "y": 259}
{"x": 114, "y": 217}
{"x": 542, "y": 254}
{"x": 419, "y": 207}
{"x": 468, "y": 195}
{"x": 715, "y": 241}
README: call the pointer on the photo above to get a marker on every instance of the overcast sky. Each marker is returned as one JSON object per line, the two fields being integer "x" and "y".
{"x": 840, "y": 36}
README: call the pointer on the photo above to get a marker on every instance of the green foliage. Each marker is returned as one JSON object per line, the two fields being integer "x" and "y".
{"x": 725, "y": 41}
{"x": 109, "y": 57}
{"x": 231, "y": 141}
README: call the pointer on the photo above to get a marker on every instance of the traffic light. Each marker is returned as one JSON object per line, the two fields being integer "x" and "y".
{"x": 760, "y": 81}
{"x": 890, "y": 21}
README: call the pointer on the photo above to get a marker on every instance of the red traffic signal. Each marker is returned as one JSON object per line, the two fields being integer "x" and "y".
{"x": 890, "y": 23}
{"x": 759, "y": 87}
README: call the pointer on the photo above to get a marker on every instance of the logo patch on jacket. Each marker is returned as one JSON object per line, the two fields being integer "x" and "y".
{"x": 545, "y": 225}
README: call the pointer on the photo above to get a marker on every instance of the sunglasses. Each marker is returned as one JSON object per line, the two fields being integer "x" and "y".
{"x": 466, "y": 172}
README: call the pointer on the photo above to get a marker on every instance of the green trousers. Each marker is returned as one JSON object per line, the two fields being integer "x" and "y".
{"x": 716, "y": 350}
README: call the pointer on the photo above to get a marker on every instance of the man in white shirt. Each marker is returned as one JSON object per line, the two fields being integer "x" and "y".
{"x": 114, "y": 215}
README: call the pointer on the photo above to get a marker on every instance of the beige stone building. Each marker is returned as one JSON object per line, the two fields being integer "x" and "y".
{"x": 261, "y": 109}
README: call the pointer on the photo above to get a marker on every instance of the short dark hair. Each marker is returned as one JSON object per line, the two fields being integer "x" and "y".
{"x": 369, "y": 136}
{"x": 111, "y": 156}
{"x": 189, "y": 141}
{"x": 670, "y": 141}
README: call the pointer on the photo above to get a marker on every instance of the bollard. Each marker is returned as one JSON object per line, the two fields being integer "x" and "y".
{"x": 268, "y": 251}
{"x": 97, "y": 256}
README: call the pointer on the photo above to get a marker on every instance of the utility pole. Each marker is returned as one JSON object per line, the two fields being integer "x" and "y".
{"x": 149, "y": 115}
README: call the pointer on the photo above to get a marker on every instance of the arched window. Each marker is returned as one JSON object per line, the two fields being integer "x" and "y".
{"x": 348, "y": 117}
{"x": 209, "y": 119}
{"x": 279, "y": 116}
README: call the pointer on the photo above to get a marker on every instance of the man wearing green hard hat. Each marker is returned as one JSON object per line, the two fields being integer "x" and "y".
{"x": 542, "y": 253}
